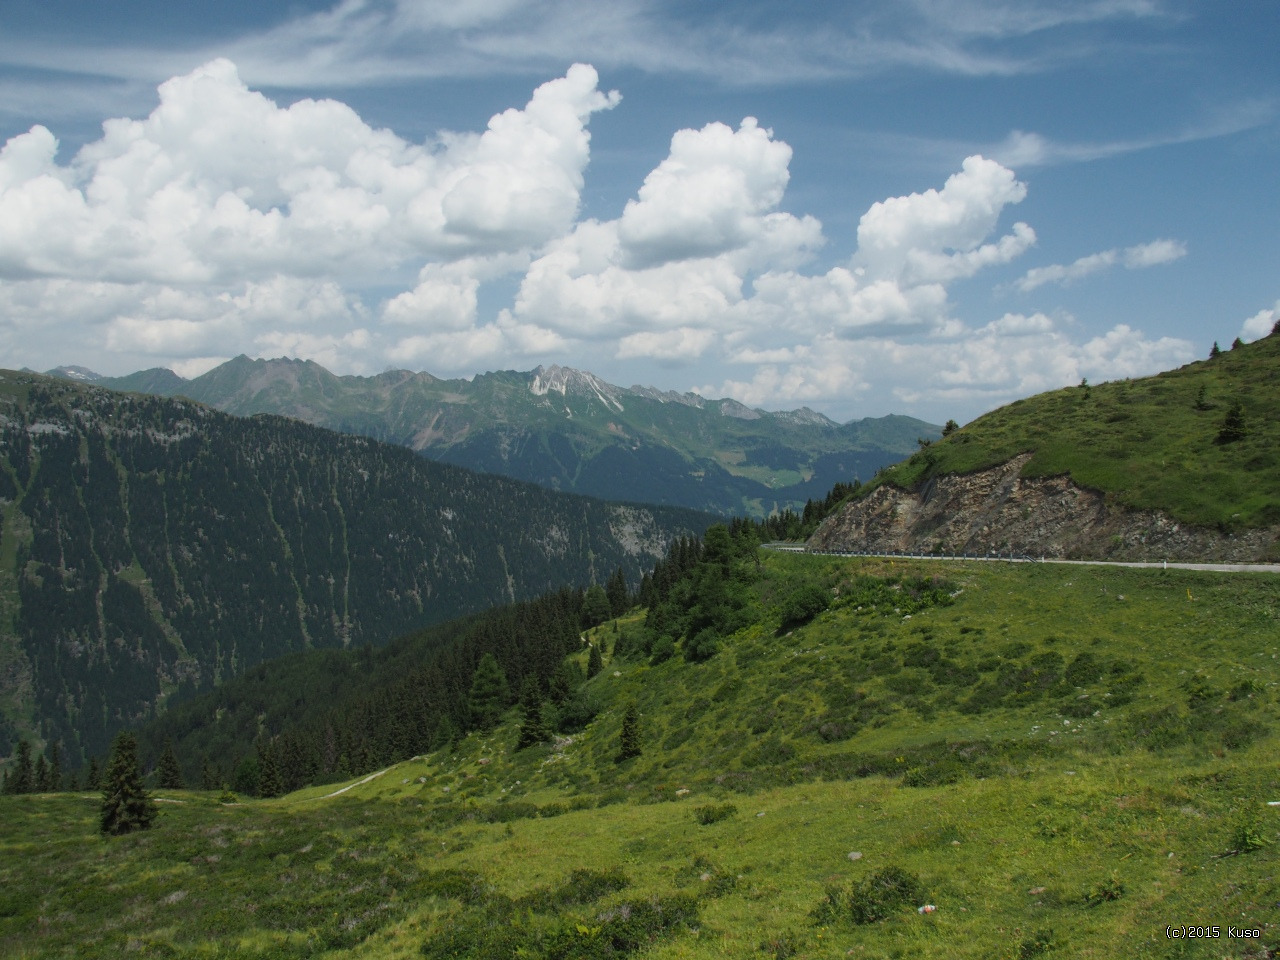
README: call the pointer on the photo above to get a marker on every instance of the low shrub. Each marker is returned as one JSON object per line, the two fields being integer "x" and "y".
{"x": 871, "y": 899}
{"x": 713, "y": 813}
{"x": 1104, "y": 891}
{"x": 1248, "y": 838}
{"x": 1036, "y": 943}
{"x": 782, "y": 946}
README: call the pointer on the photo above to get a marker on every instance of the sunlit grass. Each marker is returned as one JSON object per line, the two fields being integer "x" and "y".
{"x": 1089, "y": 835}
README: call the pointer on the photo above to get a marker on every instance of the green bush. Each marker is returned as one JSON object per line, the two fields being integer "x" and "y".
{"x": 871, "y": 899}
{"x": 1104, "y": 891}
{"x": 712, "y": 813}
{"x": 1248, "y": 838}
{"x": 802, "y": 605}
{"x": 702, "y": 647}
{"x": 1035, "y": 944}
{"x": 782, "y": 946}
{"x": 1083, "y": 670}
{"x": 664, "y": 649}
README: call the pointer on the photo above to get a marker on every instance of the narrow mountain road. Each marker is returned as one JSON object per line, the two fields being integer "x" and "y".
{"x": 1151, "y": 564}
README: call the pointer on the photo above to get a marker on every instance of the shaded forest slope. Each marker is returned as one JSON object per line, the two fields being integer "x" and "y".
{"x": 151, "y": 545}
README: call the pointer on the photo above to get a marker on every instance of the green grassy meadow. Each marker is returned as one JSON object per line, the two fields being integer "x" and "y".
{"x": 1063, "y": 761}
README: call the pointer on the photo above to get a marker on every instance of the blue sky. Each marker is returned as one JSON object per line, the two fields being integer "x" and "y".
{"x": 923, "y": 206}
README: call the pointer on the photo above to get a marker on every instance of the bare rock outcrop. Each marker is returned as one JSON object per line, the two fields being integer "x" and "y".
{"x": 1000, "y": 510}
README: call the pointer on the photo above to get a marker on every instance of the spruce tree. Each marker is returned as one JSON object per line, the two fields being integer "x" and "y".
{"x": 209, "y": 776}
{"x": 595, "y": 663}
{"x": 1233, "y": 426}
{"x": 619, "y": 596}
{"x": 533, "y": 728}
{"x": 55, "y": 767}
{"x": 596, "y": 608}
{"x": 41, "y": 778}
{"x": 22, "y": 779}
{"x": 126, "y": 805}
{"x": 489, "y": 693}
{"x": 93, "y": 776}
{"x": 269, "y": 783}
{"x": 629, "y": 745}
{"x": 169, "y": 773}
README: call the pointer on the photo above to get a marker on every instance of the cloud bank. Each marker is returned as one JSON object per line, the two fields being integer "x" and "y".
{"x": 224, "y": 222}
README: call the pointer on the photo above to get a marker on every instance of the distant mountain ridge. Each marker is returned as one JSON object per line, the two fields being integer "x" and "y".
{"x": 565, "y": 429}
{"x": 151, "y": 545}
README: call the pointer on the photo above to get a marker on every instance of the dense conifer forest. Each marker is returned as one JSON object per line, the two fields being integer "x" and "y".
{"x": 152, "y": 547}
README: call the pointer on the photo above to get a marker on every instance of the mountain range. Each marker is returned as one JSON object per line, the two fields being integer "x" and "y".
{"x": 565, "y": 429}
{"x": 152, "y": 545}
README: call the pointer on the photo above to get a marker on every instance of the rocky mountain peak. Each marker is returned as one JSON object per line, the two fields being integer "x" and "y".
{"x": 567, "y": 381}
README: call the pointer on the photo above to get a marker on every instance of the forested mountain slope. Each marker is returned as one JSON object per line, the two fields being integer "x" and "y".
{"x": 1183, "y": 465}
{"x": 149, "y": 545}
{"x": 567, "y": 429}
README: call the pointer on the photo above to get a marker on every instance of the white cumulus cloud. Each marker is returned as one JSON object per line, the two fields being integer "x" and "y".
{"x": 1131, "y": 258}
{"x": 224, "y": 219}
{"x": 1260, "y": 324}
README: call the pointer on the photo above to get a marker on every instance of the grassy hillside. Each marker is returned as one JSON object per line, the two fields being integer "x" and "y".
{"x": 1063, "y": 761}
{"x": 1153, "y": 443}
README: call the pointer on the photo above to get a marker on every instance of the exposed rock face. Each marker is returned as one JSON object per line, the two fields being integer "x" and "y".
{"x": 999, "y": 510}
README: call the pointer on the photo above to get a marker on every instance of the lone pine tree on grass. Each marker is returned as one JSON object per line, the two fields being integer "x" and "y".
{"x": 1233, "y": 426}
{"x": 126, "y": 805}
{"x": 629, "y": 745}
{"x": 595, "y": 663}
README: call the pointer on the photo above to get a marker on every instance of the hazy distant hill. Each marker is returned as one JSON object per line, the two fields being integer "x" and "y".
{"x": 567, "y": 429}
{"x": 148, "y": 544}
{"x": 1183, "y": 465}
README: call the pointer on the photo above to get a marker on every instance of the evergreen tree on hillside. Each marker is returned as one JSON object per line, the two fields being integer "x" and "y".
{"x": 22, "y": 779}
{"x": 1215, "y": 350}
{"x": 209, "y": 776}
{"x": 93, "y": 776}
{"x": 950, "y": 428}
{"x": 1233, "y": 426}
{"x": 269, "y": 783}
{"x": 619, "y": 596}
{"x": 630, "y": 742}
{"x": 169, "y": 773}
{"x": 126, "y": 805}
{"x": 533, "y": 727}
{"x": 489, "y": 693}
{"x": 595, "y": 663}
{"x": 55, "y": 768}
{"x": 40, "y": 780}
{"x": 596, "y": 608}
